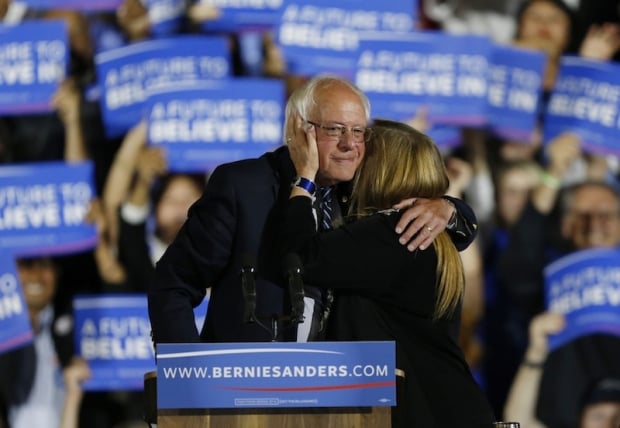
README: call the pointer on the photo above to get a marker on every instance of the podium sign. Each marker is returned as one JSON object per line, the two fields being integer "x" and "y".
{"x": 272, "y": 375}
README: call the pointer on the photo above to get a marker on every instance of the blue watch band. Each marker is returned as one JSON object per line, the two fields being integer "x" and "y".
{"x": 304, "y": 183}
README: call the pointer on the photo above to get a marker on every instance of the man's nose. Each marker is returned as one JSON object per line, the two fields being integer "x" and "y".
{"x": 347, "y": 141}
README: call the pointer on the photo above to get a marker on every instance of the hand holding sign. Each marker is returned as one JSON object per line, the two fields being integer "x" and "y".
{"x": 541, "y": 327}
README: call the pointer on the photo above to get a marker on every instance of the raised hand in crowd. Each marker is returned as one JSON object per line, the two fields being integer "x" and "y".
{"x": 132, "y": 16}
{"x": 420, "y": 121}
{"x": 461, "y": 173}
{"x": 562, "y": 152}
{"x": 110, "y": 269}
{"x": 151, "y": 163}
{"x": 274, "y": 64}
{"x": 202, "y": 12}
{"x": 73, "y": 375}
{"x": 120, "y": 175}
{"x": 601, "y": 41}
{"x": 4, "y": 7}
{"x": 523, "y": 395}
{"x": 67, "y": 100}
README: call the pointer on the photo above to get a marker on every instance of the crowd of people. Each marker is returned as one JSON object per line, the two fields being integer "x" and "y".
{"x": 508, "y": 207}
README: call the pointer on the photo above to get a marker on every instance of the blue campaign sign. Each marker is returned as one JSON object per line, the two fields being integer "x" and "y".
{"x": 319, "y": 36}
{"x": 236, "y": 15}
{"x": 126, "y": 74}
{"x": 113, "y": 334}
{"x": 515, "y": 91}
{"x": 444, "y": 136}
{"x": 204, "y": 124}
{"x": 466, "y": 105}
{"x": 585, "y": 286}
{"x": 445, "y": 73}
{"x": 43, "y": 205}
{"x": 251, "y": 375}
{"x": 166, "y": 16}
{"x": 90, "y": 5}
{"x": 33, "y": 61}
{"x": 586, "y": 100}
{"x": 15, "y": 329}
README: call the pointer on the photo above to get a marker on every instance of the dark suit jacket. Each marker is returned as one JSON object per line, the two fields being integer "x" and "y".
{"x": 18, "y": 366}
{"x": 231, "y": 224}
{"x": 384, "y": 292}
{"x": 235, "y": 221}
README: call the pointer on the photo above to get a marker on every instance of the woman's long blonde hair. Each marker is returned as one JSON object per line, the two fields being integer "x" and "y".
{"x": 401, "y": 163}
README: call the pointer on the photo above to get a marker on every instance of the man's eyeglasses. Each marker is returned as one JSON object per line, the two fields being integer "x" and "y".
{"x": 333, "y": 130}
{"x": 600, "y": 216}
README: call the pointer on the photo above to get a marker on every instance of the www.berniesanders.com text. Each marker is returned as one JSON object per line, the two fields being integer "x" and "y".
{"x": 245, "y": 372}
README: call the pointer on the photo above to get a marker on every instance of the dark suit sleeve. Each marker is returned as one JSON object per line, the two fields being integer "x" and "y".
{"x": 466, "y": 228}
{"x": 360, "y": 255}
{"x": 193, "y": 262}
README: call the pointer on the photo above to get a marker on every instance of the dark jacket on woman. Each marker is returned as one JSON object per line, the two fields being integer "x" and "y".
{"x": 384, "y": 292}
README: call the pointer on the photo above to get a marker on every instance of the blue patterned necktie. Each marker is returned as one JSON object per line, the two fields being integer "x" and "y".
{"x": 325, "y": 206}
{"x": 327, "y": 212}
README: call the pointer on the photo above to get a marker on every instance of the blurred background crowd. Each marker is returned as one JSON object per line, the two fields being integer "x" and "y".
{"x": 535, "y": 200}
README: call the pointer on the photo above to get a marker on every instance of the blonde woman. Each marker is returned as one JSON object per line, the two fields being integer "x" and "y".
{"x": 381, "y": 290}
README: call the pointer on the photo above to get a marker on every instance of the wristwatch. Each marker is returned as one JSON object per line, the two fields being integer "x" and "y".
{"x": 304, "y": 183}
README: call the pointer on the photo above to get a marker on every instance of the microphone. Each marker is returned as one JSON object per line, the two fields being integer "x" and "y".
{"x": 248, "y": 287}
{"x": 293, "y": 270}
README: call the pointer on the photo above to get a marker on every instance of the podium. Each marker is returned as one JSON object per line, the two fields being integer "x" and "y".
{"x": 182, "y": 406}
{"x": 376, "y": 417}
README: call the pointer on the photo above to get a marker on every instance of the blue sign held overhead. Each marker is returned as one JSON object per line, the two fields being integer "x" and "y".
{"x": 15, "y": 330}
{"x": 84, "y": 5}
{"x": 515, "y": 91}
{"x": 43, "y": 207}
{"x": 127, "y": 73}
{"x": 586, "y": 101}
{"x": 585, "y": 287}
{"x": 33, "y": 62}
{"x": 322, "y": 36}
{"x": 251, "y": 375}
{"x": 204, "y": 124}
{"x": 243, "y": 15}
{"x": 113, "y": 334}
{"x": 444, "y": 73}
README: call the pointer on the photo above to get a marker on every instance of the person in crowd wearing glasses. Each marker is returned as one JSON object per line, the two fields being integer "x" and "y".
{"x": 556, "y": 222}
{"x": 233, "y": 225}
{"x": 414, "y": 298}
